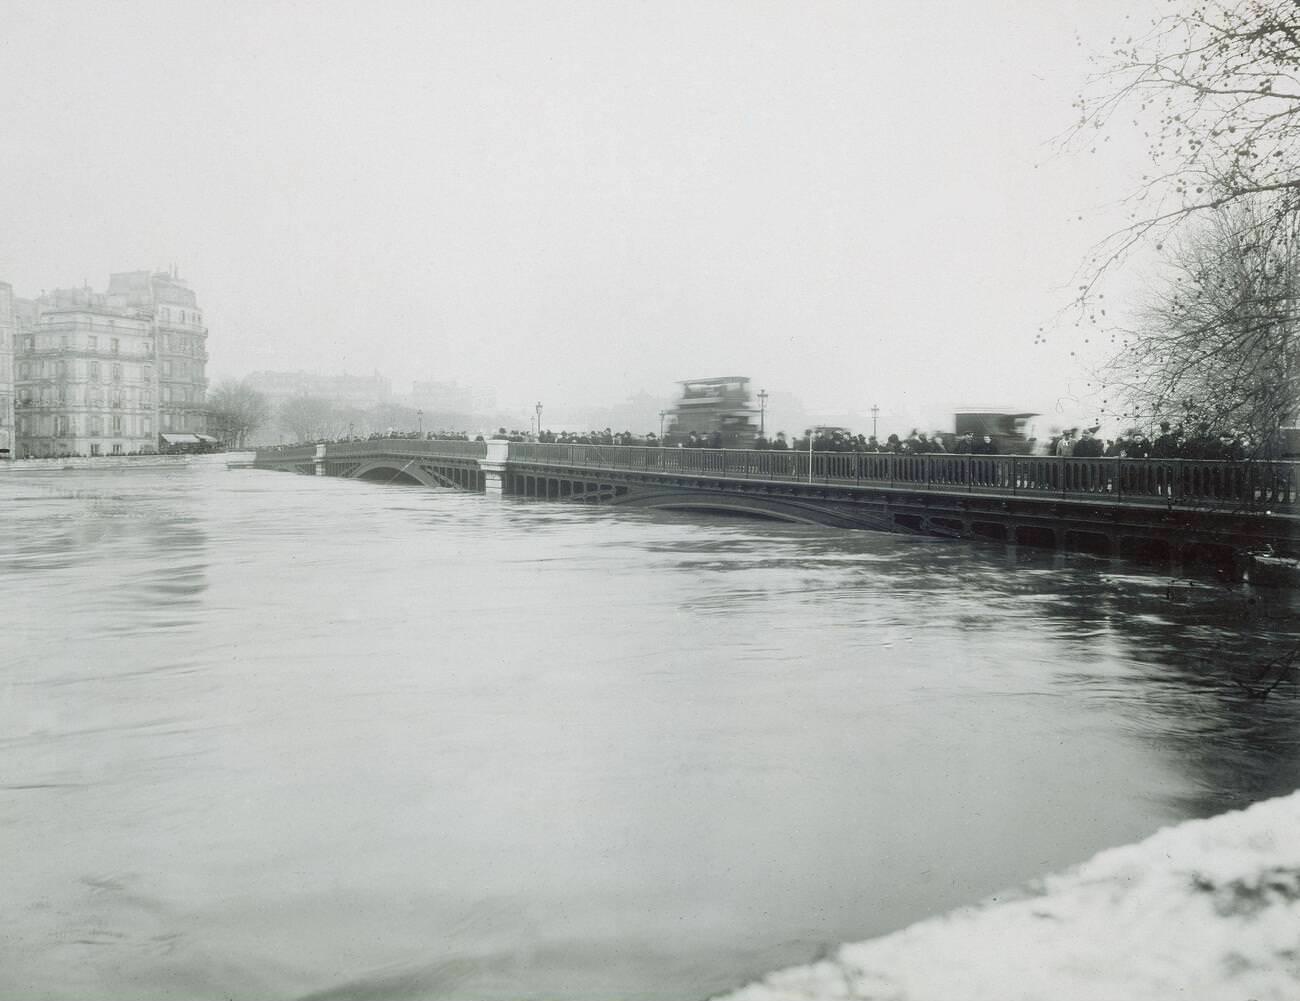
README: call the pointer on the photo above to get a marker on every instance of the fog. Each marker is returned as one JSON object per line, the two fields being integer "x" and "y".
{"x": 851, "y": 203}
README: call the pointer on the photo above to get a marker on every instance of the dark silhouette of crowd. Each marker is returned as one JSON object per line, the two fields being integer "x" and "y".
{"x": 1172, "y": 442}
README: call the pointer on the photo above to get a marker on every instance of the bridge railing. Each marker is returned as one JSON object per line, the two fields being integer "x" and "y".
{"x": 406, "y": 446}
{"x": 283, "y": 453}
{"x": 1249, "y": 485}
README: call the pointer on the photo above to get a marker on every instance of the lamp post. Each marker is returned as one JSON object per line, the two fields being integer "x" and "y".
{"x": 762, "y": 412}
{"x": 875, "y": 412}
{"x": 539, "y": 418}
{"x": 420, "y": 417}
{"x": 662, "y": 415}
{"x": 810, "y": 454}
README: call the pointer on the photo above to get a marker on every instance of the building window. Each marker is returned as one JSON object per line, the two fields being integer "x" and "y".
{"x": 92, "y": 426}
{"x": 146, "y": 426}
{"x": 117, "y": 372}
{"x": 94, "y": 371}
{"x": 114, "y": 345}
{"x": 94, "y": 448}
{"x": 117, "y": 448}
{"x": 167, "y": 369}
{"x": 117, "y": 425}
{"x": 63, "y": 341}
{"x": 92, "y": 342}
{"x": 24, "y": 370}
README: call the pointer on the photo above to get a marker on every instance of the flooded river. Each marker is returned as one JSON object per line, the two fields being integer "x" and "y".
{"x": 275, "y": 737}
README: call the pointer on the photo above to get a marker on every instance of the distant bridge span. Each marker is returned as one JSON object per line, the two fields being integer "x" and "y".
{"x": 1152, "y": 508}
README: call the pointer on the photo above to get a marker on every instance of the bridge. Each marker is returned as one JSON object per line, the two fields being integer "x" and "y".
{"x": 1160, "y": 509}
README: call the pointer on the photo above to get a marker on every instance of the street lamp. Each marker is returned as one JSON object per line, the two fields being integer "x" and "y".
{"x": 539, "y": 418}
{"x": 762, "y": 412}
{"x": 875, "y": 412}
{"x": 662, "y": 415}
{"x": 420, "y": 416}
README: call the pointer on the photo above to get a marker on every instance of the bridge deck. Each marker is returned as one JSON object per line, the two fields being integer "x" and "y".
{"x": 1193, "y": 484}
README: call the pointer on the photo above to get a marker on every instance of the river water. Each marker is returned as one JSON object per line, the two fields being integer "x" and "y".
{"x": 274, "y": 737}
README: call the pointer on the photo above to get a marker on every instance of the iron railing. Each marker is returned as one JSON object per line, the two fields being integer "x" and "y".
{"x": 432, "y": 448}
{"x": 1248, "y": 484}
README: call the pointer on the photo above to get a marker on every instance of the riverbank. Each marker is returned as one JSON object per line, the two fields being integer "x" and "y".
{"x": 94, "y": 462}
{"x": 1208, "y": 909}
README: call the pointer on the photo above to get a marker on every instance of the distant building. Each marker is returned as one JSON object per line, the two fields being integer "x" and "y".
{"x": 356, "y": 391}
{"x": 443, "y": 397}
{"x": 104, "y": 373}
{"x": 7, "y": 330}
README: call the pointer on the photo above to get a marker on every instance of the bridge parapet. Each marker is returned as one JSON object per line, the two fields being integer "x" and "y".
{"x": 1249, "y": 485}
{"x": 430, "y": 447}
{"x": 275, "y": 454}
{"x": 416, "y": 447}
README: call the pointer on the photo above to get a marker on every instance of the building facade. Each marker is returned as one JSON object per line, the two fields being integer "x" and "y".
{"x": 6, "y": 371}
{"x": 106, "y": 373}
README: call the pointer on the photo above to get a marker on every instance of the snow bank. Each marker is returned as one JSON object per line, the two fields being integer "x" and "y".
{"x": 1209, "y": 909}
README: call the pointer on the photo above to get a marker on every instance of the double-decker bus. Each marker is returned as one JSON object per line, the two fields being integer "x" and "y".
{"x": 716, "y": 411}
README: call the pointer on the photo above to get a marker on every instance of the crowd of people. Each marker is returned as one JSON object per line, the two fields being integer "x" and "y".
{"x": 1172, "y": 442}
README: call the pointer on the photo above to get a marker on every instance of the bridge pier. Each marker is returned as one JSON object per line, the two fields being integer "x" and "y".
{"x": 494, "y": 467}
{"x": 320, "y": 460}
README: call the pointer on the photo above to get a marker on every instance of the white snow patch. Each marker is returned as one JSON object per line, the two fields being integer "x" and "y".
{"x": 1208, "y": 910}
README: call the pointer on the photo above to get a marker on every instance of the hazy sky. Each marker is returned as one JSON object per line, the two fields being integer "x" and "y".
{"x": 852, "y": 202}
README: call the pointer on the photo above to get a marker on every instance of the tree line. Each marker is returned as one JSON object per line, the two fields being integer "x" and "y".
{"x": 236, "y": 412}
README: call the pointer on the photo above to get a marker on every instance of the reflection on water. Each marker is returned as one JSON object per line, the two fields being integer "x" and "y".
{"x": 286, "y": 737}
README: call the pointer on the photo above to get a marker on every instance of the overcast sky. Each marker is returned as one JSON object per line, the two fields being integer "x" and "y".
{"x": 853, "y": 202}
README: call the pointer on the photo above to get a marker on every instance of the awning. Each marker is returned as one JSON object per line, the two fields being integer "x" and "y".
{"x": 208, "y": 438}
{"x": 181, "y": 439}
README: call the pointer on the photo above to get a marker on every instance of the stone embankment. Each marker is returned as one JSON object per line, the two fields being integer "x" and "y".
{"x": 1208, "y": 910}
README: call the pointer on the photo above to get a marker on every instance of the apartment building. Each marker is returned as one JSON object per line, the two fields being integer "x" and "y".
{"x": 104, "y": 373}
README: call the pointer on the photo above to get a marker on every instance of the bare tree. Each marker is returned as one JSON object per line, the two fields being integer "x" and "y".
{"x": 1216, "y": 343}
{"x": 1214, "y": 89}
{"x": 236, "y": 410}
{"x": 308, "y": 418}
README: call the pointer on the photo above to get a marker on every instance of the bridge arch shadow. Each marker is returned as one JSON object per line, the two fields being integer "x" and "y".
{"x": 791, "y": 510}
{"x": 389, "y": 471}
